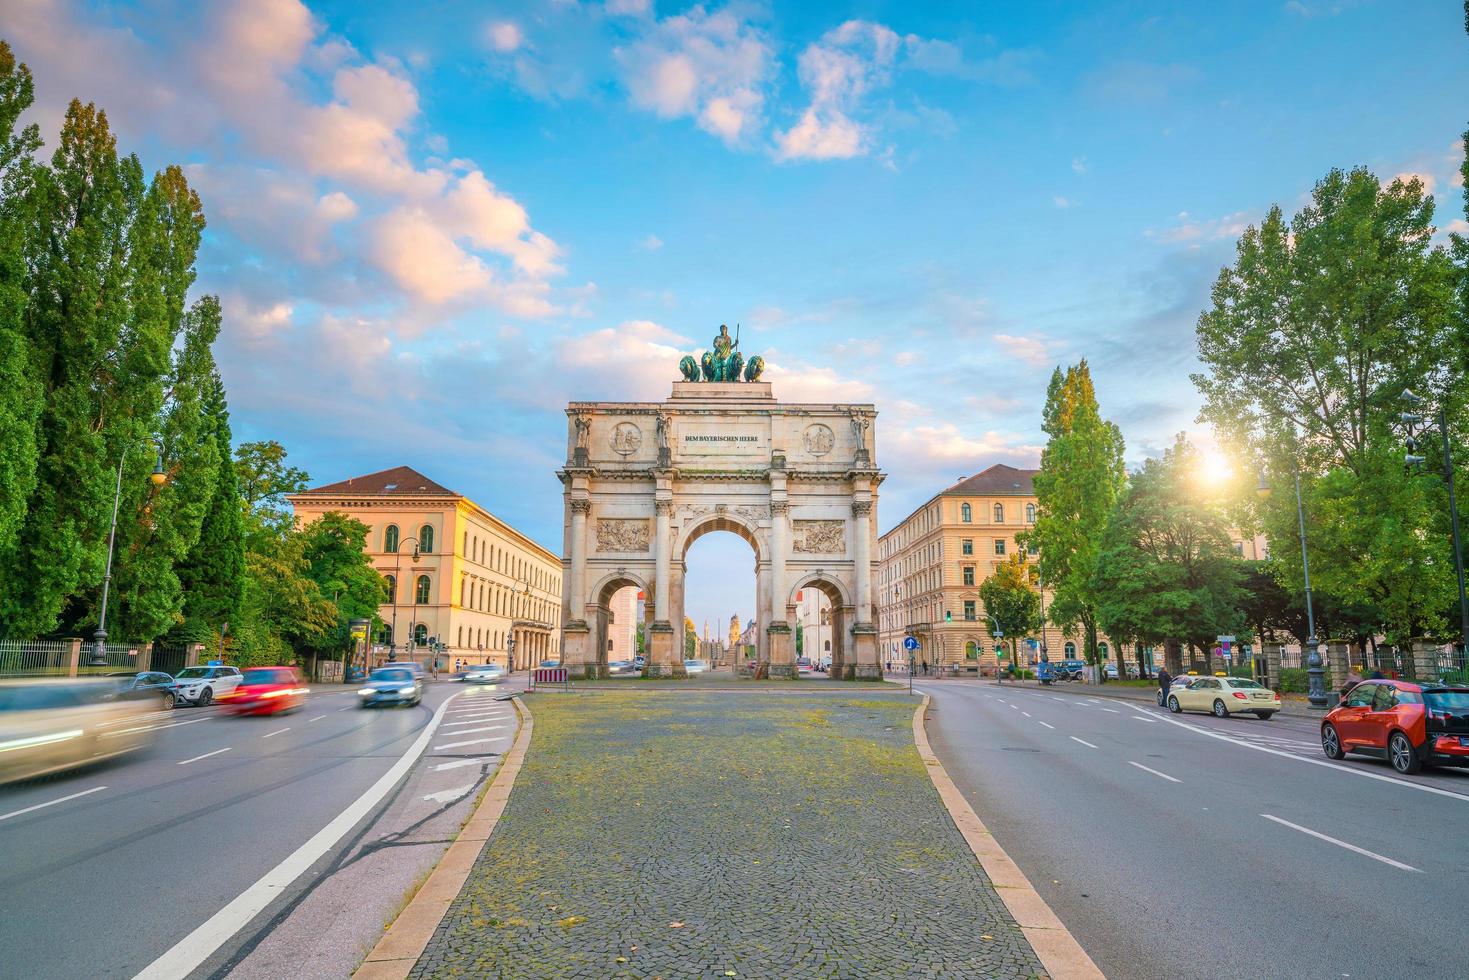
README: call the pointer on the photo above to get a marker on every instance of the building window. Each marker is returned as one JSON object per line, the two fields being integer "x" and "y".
{"x": 1102, "y": 649}
{"x": 965, "y": 514}
{"x": 971, "y": 650}
{"x": 461, "y": 637}
{"x": 464, "y": 549}
{"x": 968, "y": 574}
{"x": 420, "y": 634}
{"x": 999, "y": 513}
{"x": 390, "y": 588}
{"x": 1070, "y": 650}
{"x": 426, "y": 539}
{"x": 463, "y": 590}
{"x": 969, "y": 613}
{"x": 390, "y": 538}
{"x": 999, "y": 546}
{"x": 966, "y": 546}
{"x": 1032, "y": 550}
{"x": 1030, "y": 513}
{"x": 420, "y": 589}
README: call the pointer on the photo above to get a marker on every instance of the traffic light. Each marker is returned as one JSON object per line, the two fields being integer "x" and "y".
{"x": 948, "y": 616}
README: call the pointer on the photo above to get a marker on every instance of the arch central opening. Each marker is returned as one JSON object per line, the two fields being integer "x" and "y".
{"x": 716, "y": 597}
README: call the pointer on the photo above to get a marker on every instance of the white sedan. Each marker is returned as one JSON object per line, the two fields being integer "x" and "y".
{"x": 201, "y": 685}
{"x": 486, "y": 674}
{"x": 1223, "y": 696}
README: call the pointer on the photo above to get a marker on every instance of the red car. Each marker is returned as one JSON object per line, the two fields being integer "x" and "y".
{"x": 1410, "y": 725}
{"x": 268, "y": 691}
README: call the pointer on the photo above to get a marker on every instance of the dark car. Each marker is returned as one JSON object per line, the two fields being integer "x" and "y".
{"x": 143, "y": 683}
{"x": 1409, "y": 725}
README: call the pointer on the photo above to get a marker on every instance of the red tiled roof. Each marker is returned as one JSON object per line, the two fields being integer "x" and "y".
{"x": 404, "y": 480}
{"x": 998, "y": 480}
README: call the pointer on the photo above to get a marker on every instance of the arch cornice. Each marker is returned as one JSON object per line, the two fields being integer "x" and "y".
{"x": 695, "y": 528}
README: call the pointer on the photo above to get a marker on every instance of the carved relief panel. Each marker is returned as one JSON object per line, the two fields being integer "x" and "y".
{"x": 818, "y": 537}
{"x": 622, "y": 535}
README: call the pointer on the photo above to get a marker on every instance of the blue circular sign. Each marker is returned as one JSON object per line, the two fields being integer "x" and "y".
{"x": 910, "y": 643}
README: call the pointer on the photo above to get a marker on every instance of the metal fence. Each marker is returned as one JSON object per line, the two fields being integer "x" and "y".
{"x": 52, "y": 658}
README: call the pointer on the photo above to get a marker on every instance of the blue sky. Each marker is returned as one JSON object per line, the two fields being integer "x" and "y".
{"x": 432, "y": 225}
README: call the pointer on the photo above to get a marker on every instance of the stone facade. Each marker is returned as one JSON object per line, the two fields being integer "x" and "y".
{"x": 479, "y": 586}
{"x": 644, "y": 480}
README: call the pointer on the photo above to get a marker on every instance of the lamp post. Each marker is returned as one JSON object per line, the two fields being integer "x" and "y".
{"x": 1415, "y": 427}
{"x": 397, "y": 584}
{"x": 99, "y": 638}
{"x": 1315, "y": 685}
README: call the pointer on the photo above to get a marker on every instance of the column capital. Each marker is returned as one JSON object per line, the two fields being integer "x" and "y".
{"x": 861, "y": 508}
{"x": 780, "y": 506}
{"x": 663, "y": 506}
{"x": 582, "y": 507}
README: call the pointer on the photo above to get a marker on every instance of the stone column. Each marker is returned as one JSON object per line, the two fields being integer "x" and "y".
{"x": 1425, "y": 661}
{"x": 579, "y": 511}
{"x": 1336, "y": 675}
{"x": 663, "y": 659}
{"x": 576, "y": 634}
{"x": 864, "y": 633}
{"x": 782, "y": 641}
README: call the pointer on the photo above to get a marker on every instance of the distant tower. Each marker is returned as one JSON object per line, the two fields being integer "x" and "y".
{"x": 734, "y": 631}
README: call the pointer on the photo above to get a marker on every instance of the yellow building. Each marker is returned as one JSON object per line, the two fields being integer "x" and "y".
{"x": 456, "y": 573}
{"x": 931, "y": 565}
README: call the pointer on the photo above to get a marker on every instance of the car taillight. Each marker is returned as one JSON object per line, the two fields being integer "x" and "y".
{"x": 1240, "y": 696}
{"x": 1277, "y": 696}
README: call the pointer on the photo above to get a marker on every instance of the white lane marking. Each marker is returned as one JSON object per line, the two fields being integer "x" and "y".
{"x": 1334, "y": 767}
{"x": 200, "y": 944}
{"x": 1051, "y": 727}
{"x": 476, "y": 731}
{"x": 449, "y": 795}
{"x": 1016, "y": 708}
{"x": 1151, "y": 721}
{"x": 479, "y": 715}
{"x": 347, "y": 708}
{"x": 42, "y": 806}
{"x": 1025, "y": 713}
{"x": 1113, "y": 710}
{"x": 456, "y": 763}
{"x": 1082, "y": 741}
{"x": 1341, "y": 843}
{"x": 277, "y": 732}
{"x": 204, "y": 756}
{"x": 317, "y": 718}
{"x": 1094, "y": 700}
{"x": 456, "y": 745}
{"x": 176, "y": 724}
{"x": 1002, "y": 700}
{"x": 472, "y": 721}
{"x": 1155, "y": 772}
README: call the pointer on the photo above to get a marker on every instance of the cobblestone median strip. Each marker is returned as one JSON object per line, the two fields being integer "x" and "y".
{"x": 1059, "y": 952}
{"x": 709, "y": 835}
{"x": 394, "y": 955}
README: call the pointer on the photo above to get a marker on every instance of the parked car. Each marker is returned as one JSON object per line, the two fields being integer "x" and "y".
{"x": 139, "y": 684}
{"x": 1409, "y": 725}
{"x": 803, "y": 665}
{"x": 484, "y": 674}
{"x": 391, "y": 685}
{"x": 622, "y": 668}
{"x": 52, "y": 725}
{"x": 268, "y": 691}
{"x": 696, "y": 666}
{"x": 1112, "y": 674}
{"x": 203, "y": 685}
{"x": 1223, "y": 696}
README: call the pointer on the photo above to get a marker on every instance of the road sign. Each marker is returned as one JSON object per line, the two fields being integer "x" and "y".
{"x": 1225, "y": 639}
{"x": 910, "y": 643}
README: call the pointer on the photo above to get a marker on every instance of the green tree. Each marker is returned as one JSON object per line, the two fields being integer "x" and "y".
{"x": 213, "y": 573}
{"x": 1012, "y": 600}
{"x": 690, "y": 639}
{"x": 21, "y": 394}
{"x": 1080, "y": 478}
{"x": 800, "y": 639}
{"x": 334, "y": 548}
{"x": 1166, "y": 569}
{"x": 265, "y": 479}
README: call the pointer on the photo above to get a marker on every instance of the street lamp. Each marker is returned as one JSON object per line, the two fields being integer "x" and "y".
{"x": 1413, "y": 423}
{"x": 99, "y": 638}
{"x": 1315, "y": 685}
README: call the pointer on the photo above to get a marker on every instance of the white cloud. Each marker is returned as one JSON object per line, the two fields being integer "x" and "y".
{"x": 1061, "y": 202}
{"x": 822, "y": 136}
{"x": 1191, "y": 231}
{"x": 504, "y": 36}
{"x": 1080, "y": 165}
{"x": 1033, "y": 350}
{"x": 423, "y": 258}
{"x": 710, "y": 67}
{"x": 837, "y": 71}
{"x": 650, "y": 243}
{"x": 630, "y": 8}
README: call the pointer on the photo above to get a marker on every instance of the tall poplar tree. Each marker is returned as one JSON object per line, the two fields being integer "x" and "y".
{"x": 213, "y": 573}
{"x": 1080, "y": 479}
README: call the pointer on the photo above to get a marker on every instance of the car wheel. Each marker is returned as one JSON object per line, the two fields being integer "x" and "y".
{"x": 206, "y": 696}
{"x": 168, "y": 700}
{"x": 1220, "y": 711}
{"x": 1331, "y": 742}
{"x": 1173, "y": 705}
{"x": 1400, "y": 753}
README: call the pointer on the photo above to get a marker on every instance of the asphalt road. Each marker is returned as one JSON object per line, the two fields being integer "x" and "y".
{"x": 1183, "y": 846}
{"x": 118, "y": 863}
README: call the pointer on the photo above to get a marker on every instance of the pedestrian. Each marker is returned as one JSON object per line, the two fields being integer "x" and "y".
{"x": 1164, "y": 679}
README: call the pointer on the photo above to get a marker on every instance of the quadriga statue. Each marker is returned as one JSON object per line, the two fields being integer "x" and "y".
{"x": 723, "y": 362}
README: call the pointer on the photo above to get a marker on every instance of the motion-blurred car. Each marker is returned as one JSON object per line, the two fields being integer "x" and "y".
{"x": 391, "y": 685}
{"x": 803, "y": 665}
{"x": 547, "y": 664}
{"x": 142, "y": 683}
{"x": 203, "y": 685}
{"x": 1410, "y": 725}
{"x": 268, "y": 691}
{"x": 485, "y": 674}
{"x": 622, "y": 668}
{"x": 412, "y": 665}
{"x": 49, "y": 726}
{"x": 1224, "y": 696}
{"x": 696, "y": 666}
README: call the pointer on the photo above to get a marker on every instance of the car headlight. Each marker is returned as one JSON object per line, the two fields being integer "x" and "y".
{"x": 365, "y": 691}
{"x": 405, "y": 690}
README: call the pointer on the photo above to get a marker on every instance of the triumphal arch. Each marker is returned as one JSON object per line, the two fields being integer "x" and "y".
{"x": 645, "y": 480}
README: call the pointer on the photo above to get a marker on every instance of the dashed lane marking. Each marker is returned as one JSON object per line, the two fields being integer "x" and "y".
{"x": 1113, "y": 710}
{"x": 1155, "y": 772}
{"x": 204, "y": 756}
{"x": 457, "y": 763}
{"x": 42, "y": 806}
{"x": 1025, "y": 713}
{"x": 1082, "y": 741}
{"x": 1341, "y": 843}
{"x": 1150, "y": 721}
{"x": 276, "y": 732}
{"x": 1051, "y": 727}
{"x": 317, "y": 718}
{"x": 459, "y": 745}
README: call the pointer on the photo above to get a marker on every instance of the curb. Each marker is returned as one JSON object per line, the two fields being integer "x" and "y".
{"x": 1058, "y": 950}
{"x": 398, "y": 950}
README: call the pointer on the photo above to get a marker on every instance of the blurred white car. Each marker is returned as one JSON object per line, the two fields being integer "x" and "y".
{"x": 50, "y": 726}
{"x": 201, "y": 685}
{"x": 696, "y": 666}
{"x": 486, "y": 674}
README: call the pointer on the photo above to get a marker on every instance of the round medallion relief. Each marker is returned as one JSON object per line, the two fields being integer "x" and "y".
{"x": 819, "y": 439}
{"x": 626, "y": 438}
